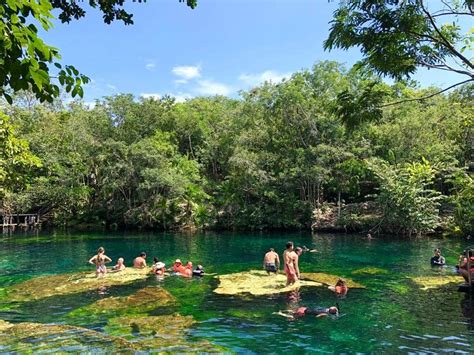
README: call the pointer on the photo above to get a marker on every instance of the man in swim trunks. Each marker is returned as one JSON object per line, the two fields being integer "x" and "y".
{"x": 318, "y": 312}
{"x": 290, "y": 259}
{"x": 99, "y": 261}
{"x": 271, "y": 262}
{"x": 139, "y": 262}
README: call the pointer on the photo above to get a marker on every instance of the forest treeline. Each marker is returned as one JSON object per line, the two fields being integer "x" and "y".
{"x": 277, "y": 157}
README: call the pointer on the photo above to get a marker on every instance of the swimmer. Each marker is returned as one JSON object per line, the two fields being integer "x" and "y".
{"x": 464, "y": 261}
{"x": 199, "y": 271}
{"x": 99, "y": 261}
{"x": 188, "y": 269}
{"x": 340, "y": 288}
{"x": 178, "y": 267}
{"x": 158, "y": 268}
{"x": 119, "y": 266}
{"x": 139, "y": 262}
{"x": 437, "y": 259}
{"x": 318, "y": 312}
{"x": 307, "y": 250}
{"x": 271, "y": 261}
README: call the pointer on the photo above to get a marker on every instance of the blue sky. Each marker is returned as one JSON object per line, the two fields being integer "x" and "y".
{"x": 220, "y": 47}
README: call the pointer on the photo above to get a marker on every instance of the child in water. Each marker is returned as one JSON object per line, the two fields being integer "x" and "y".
{"x": 120, "y": 265}
{"x": 99, "y": 261}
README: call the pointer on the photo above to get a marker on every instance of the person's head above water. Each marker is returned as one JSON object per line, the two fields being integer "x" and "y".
{"x": 178, "y": 261}
{"x": 437, "y": 251}
{"x": 155, "y": 259}
{"x": 271, "y": 249}
{"x": 299, "y": 250}
{"x": 189, "y": 264}
{"x": 289, "y": 245}
{"x": 341, "y": 282}
{"x": 120, "y": 261}
{"x": 143, "y": 254}
{"x": 333, "y": 310}
{"x": 101, "y": 250}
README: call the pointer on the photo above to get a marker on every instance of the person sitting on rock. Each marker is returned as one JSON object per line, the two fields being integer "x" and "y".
{"x": 119, "y": 266}
{"x": 139, "y": 262}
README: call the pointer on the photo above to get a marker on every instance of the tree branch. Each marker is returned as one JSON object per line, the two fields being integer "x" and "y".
{"x": 428, "y": 96}
{"x": 449, "y": 13}
{"x": 446, "y": 42}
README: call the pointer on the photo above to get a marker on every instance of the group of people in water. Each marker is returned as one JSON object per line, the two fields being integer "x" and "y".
{"x": 465, "y": 266}
{"x": 158, "y": 267}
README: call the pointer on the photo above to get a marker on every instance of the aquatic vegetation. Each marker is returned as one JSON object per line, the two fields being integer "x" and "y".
{"x": 328, "y": 279}
{"x": 257, "y": 283}
{"x": 429, "y": 282}
{"x": 35, "y": 337}
{"x": 369, "y": 271}
{"x": 159, "y": 333}
{"x": 145, "y": 300}
{"x": 63, "y": 284}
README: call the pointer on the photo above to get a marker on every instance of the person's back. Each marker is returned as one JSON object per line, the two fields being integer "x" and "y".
{"x": 271, "y": 261}
{"x": 139, "y": 262}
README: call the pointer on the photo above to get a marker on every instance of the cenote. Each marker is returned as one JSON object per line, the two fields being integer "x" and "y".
{"x": 393, "y": 313}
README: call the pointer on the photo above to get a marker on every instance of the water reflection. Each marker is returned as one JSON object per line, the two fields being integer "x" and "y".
{"x": 467, "y": 309}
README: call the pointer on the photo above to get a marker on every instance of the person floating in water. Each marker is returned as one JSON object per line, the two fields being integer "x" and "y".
{"x": 119, "y": 266}
{"x": 307, "y": 250}
{"x": 340, "y": 287}
{"x": 99, "y": 261}
{"x": 139, "y": 262}
{"x": 318, "y": 312}
{"x": 271, "y": 261}
{"x": 438, "y": 259}
{"x": 188, "y": 269}
{"x": 290, "y": 259}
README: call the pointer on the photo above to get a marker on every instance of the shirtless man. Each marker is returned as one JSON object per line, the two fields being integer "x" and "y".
{"x": 99, "y": 261}
{"x": 290, "y": 259}
{"x": 271, "y": 262}
{"x": 139, "y": 262}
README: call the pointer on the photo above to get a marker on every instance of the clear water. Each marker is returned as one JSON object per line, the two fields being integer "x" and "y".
{"x": 392, "y": 314}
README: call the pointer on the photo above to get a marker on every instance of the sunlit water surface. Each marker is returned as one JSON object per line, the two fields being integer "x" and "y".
{"x": 392, "y": 314}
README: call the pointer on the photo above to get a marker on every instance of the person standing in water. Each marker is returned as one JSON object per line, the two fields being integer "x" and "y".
{"x": 99, "y": 261}
{"x": 139, "y": 262}
{"x": 290, "y": 259}
{"x": 271, "y": 262}
{"x": 437, "y": 259}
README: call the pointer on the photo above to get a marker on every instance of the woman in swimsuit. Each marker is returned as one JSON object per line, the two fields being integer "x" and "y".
{"x": 99, "y": 261}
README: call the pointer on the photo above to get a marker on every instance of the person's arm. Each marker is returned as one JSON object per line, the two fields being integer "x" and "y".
{"x": 107, "y": 259}
{"x": 263, "y": 264}
{"x": 297, "y": 268}
{"x": 92, "y": 260}
{"x": 322, "y": 315}
{"x": 442, "y": 260}
{"x": 278, "y": 262}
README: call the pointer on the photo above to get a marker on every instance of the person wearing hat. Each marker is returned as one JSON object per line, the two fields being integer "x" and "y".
{"x": 178, "y": 267}
{"x": 199, "y": 271}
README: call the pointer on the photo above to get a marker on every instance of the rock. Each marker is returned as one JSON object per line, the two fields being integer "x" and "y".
{"x": 369, "y": 271}
{"x": 328, "y": 279}
{"x": 36, "y": 337}
{"x": 63, "y": 284}
{"x": 257, "y": 283}
{"x": 160, "y": 333}
{"x": 430, "y": 282}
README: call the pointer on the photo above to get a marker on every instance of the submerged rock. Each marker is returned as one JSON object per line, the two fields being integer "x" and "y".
{"x": 160, "y": 333}
{"x": 36, "y": 337}
{"x": 369, "y": 271}
{"x": 63, "y": 284}
{"x": 144, "y": 300}
{"x": 257, "y": 283}
{"x": 429, "y": 282}
{"x": 328, "y": 279}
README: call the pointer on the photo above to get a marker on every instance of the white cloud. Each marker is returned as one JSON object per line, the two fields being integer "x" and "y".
{"x": 209, "y": 87}
{"x": 180, "y": 81}
{"x": 112, "y": 87}
{"x": 153, "y": 95}
{"x": 150, "y": 66}
{"x": 187, "y": 72}
{"x": 259, "y": 78}
{"x": 90, "y": 104}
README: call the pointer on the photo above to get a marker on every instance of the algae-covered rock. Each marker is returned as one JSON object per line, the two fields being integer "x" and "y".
{"x": 370, "y": 271}
{"x": 144, "y": 300}
{"x": 36, "y": 337}
{"x": 160, "y": 333}
{"x": 257, "y": 283}
{"x": 328, "y": 279}
{"x": 429, "y": 282}
{"x": 63, "y": 284}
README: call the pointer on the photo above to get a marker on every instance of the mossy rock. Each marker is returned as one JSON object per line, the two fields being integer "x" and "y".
{"x": 63, "y": 284}
{"x": 430, "y": 282}
{"x": 160, "y": 333}
{"x": 328, "y": 279}
{"x": 144, "y": 300}
{"x": 257, "y": 283}
{"x": 36, "y": 337}
{"x": 370, "y": 271}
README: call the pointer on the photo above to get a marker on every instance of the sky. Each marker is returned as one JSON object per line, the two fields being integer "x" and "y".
{"x": 219, "y": 48}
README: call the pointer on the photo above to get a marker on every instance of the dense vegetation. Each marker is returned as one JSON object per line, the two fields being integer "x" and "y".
{"x": 278, "y": 157}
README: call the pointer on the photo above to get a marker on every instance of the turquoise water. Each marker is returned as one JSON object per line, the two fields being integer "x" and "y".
{"x": 392, "y": 314}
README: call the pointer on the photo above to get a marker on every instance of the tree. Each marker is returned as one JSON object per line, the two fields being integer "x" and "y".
{"x": 26, "y": 60}
{"x": 395, "y": 37}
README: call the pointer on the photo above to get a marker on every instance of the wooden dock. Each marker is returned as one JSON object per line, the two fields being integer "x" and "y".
{"x": 20, "y": 220}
